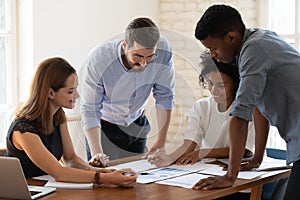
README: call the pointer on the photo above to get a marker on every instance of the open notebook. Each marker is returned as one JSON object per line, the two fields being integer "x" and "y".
{"x": 13, "y": 184}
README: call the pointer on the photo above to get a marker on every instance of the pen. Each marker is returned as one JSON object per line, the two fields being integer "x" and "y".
{"x": 244, "y": 163}
{"x": 150, "y": 155}
{"x": 156, "y": 151}
{"x": 144, "y": 173}
{"x": 106, "y": 160}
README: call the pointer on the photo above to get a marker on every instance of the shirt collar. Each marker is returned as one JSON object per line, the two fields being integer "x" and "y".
{"x": 119, "y": 49}
{"x": 247, "y": 33}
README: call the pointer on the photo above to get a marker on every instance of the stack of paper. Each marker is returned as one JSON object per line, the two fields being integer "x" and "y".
{"x": 148, "y": 173}
{"x": 269, "y": 164}
{"x": 218, "y": 171}
{"x": 177, "y": 175}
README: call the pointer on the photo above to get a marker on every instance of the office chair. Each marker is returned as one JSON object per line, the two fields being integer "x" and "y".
{"x": 275, "y": 190}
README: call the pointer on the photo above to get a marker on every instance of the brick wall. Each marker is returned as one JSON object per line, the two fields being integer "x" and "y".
{"x": 177, "y": 20}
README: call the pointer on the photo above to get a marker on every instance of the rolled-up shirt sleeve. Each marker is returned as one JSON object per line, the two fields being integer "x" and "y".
{"x": 91, "y": 97}
{"x": 163, "y": 89}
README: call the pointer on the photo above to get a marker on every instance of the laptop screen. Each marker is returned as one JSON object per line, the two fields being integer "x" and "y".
{"x": 12, "y": 177}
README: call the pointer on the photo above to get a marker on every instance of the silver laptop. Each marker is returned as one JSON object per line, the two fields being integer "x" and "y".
{"x": 13, "y": 184}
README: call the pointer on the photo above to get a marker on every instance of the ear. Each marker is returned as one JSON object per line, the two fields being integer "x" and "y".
{"x": 232, "y": 37}
{"x": 51, "y": 93}
{"x": 124, "y": 44}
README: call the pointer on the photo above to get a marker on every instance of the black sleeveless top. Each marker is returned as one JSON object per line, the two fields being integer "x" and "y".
{"x": 52, "y": 142}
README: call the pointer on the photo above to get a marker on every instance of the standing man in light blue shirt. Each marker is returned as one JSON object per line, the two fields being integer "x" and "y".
{"x": 269, "y": 89}
{"x": 116, "y": 82}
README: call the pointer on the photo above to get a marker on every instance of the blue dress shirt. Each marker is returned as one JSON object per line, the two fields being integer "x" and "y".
{"x": 269, "y": 71}
{"x": 111, "y": 92}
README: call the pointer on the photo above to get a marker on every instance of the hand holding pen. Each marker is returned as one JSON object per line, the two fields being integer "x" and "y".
{"x": 250, "y": 164}
{"x": 99, "y": 160}
{"x": 159, "y": 158}
{"x": 153, "y": 149}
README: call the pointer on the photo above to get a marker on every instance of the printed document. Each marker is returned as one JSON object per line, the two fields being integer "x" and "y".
{"x": 216, "y": 170}
{"x": 148, "y": 173}
{"x": 186, "y": 181}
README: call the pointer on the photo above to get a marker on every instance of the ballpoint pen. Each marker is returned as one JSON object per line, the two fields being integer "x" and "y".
{"x": 244, "y": 163}
{"x": 145, "y": 173}
{"x": 157, "y": 150}
{"x": 107, "y": 160}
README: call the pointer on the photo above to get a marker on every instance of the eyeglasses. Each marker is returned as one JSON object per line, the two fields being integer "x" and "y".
{"x": 140, "y": 58}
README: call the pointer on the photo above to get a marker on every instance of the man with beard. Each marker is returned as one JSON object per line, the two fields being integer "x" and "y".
{"x": 117, "y": 79}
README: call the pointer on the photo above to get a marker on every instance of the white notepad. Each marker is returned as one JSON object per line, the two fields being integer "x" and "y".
{"x": 63, "y": 185}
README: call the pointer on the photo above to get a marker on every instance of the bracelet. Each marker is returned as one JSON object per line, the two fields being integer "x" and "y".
{"x": 97, "y": 178}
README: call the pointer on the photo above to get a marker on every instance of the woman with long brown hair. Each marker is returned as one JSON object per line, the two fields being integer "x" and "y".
{"x": 39, "y": 135}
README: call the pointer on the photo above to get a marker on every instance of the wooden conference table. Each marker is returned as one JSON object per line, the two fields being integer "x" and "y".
{"x": 162, "y": 192}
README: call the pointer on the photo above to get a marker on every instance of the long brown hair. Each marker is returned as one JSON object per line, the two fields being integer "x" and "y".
{"x": 50, "y": 73}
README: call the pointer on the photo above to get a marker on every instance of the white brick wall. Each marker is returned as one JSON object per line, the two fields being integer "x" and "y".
{"x": 177, "y": 19}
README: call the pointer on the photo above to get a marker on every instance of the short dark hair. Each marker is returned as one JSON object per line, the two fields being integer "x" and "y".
{"x": 143, "y": 31}
{"x": 210, "y": 64}
{"x": 217, "y": 21}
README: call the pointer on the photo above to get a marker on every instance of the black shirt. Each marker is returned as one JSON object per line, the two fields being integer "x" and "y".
{"x": 52, "y": 142}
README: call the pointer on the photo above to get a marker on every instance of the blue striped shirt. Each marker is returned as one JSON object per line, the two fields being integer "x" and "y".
{"x": 111, "y": 92}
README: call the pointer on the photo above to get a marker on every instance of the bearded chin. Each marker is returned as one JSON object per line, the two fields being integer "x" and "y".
{"x": 131, "y": 65}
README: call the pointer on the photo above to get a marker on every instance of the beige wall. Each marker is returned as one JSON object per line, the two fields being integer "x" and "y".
{"x": 177, "y": 20}
{"x": 70, "y": 28}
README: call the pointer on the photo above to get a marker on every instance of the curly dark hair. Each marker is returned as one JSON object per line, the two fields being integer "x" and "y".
{"x": 210, "y": 64}
{"x": 217, "y": 21}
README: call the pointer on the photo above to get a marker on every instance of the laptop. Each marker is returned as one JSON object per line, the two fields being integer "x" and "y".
{"x": 13, "y": 183}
